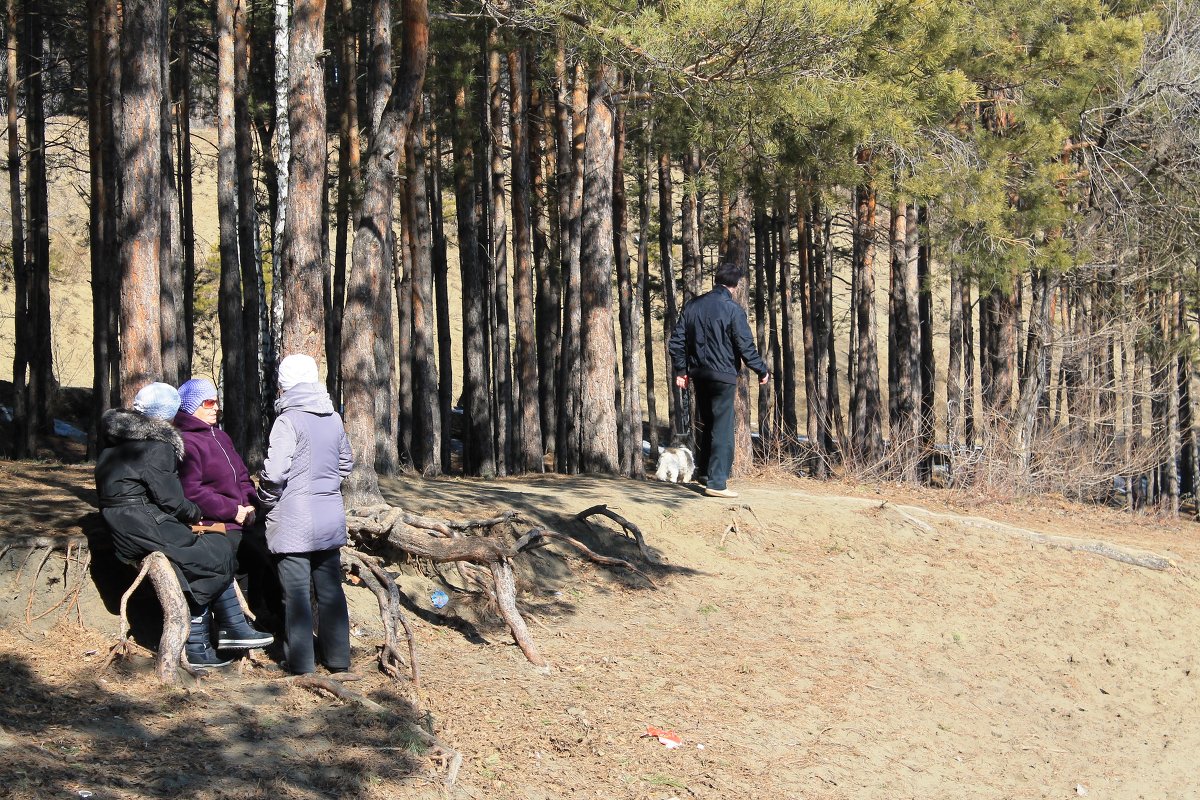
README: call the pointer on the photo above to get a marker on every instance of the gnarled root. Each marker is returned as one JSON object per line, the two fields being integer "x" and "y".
{"x": 175, "y": 618}
{"x": 387, "y": 594}
{"x": 628, "y": 528}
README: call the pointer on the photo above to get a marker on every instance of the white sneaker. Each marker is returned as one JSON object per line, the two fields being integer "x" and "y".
{"x": 726, "y": 493}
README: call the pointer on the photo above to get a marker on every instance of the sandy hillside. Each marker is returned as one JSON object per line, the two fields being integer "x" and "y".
{"x": 802, "y": 644}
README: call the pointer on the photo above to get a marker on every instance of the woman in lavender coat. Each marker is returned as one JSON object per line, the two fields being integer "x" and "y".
{"x": 308, "y": 456}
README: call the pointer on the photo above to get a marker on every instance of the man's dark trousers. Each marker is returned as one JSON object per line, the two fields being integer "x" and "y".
{"x": 714, "y": 455}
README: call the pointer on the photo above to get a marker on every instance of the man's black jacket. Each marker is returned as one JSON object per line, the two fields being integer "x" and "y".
{"x": 712, "y": 339}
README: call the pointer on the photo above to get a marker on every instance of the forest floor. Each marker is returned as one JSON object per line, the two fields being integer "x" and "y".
{"x": 838, "y": 641}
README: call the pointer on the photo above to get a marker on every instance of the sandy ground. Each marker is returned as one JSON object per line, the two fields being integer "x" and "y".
{"x": 809, "y": 641}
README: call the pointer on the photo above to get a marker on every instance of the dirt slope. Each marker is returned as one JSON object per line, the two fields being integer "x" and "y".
{"x": 825, "y": 648}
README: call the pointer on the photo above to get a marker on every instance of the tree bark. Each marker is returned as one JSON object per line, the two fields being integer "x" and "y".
{"x": 666, "y": 262}
{"x": 249, "y": 249}
{"x": 598, "y": 415}
{"x": 426, "y": 422}
{"x": 502, "y": 382}
{"x": 546, "y": 267}
{"x": 647, "y": 297}
{"x": 140, "y": 216}
{"x": 866, "y": 424}
{"x": 478, "y": 457}
{"x": 348, "y": 180}
{"x": 690, "y": 225}
{"x": 25, "y": 413}
{"x": 99, "y": 206}
{"x": 170, "y": 243}
{"x": 571, "y": 172}
{"x": 528, "y": 447}
{"x": 373, "y": 241}
{"x": 441, "y": 291}
{"x": 302, "y": 252}
{"x": 737, "y": 251}
{"x": 229, "y": 300}
{"x": 629, "y": 447}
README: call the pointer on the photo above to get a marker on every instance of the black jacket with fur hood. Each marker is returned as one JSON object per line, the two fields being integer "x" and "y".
{"x": 142, "y": 501}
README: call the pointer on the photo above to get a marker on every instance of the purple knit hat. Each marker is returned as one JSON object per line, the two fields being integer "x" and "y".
{"x": 194, "y": 392}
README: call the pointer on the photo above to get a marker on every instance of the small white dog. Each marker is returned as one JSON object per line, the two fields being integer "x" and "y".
{"x": 676, "y": 465}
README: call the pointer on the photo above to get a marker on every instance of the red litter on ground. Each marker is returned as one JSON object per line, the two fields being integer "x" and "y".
{"x": 668, "y": 739}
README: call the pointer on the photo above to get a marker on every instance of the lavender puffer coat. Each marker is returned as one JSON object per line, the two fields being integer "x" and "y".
{"x": 308, "y": 456}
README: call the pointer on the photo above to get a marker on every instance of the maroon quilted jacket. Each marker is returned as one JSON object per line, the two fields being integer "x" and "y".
{"x": 213, "y": 475}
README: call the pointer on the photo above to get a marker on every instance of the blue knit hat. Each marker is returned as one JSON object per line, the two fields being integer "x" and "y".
{"x": 158, "y": 400}
{"x": 195, "y": 392}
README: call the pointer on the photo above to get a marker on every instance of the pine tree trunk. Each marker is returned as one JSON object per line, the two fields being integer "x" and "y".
{"x": 506, "y": 432}
{"x": 569, "y": 457}
{"x": 761, "y": 257}
{"x": 811, "y": 308}
{"x": 630, "y": 443}
{"x": 181, "y": 88}
{"x": 24, "y": 413}
{"x": 954, "y": 367}
{"x": 866, "y": 424}
{"x": 647, "y": 298}
{"x": 666, "y": 261}
{"x": 690, "y": 226}
{"x": 968, "y": 345}
{"x": 787, "y": 375}
{"x": 170, "y": 243}
{"x": 140, "y": 216}
{"x": 478, "y": 458}
{"x": 426, "y": 421}
{"x": 99, "y": 205}
{"x": 441, "y": 291}
{"x": 737, "y": 251}
{"x": 301, "y": 255}
{"x": 374, "y": 247}
{"x": 249, "y": 249}
{"x": 349, "y": 177}
{"x": 229, "y": 299}
{"x": 598, "y": 415}
{"x": 528, "y": 447}
{"x": 393, "y": 393}
{"x": 928, "y": 374}
{"x": 548, "y": 326}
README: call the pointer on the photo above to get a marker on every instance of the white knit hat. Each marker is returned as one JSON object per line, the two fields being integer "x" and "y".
{"x": 296, "y": 369}
{"x": 158, "y": 400}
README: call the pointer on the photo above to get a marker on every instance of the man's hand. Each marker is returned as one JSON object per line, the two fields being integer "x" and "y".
{"x": 763, "y": 380}
{"x": 681, "y": 381}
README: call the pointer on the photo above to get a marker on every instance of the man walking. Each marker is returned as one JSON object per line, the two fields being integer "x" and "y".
{"x": 710, "y": 343}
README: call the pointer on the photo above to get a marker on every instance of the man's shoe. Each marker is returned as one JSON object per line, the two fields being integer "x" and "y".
{"x": 728, "y": 494}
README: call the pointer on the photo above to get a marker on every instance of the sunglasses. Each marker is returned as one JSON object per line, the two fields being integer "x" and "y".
{"x": 209, "y": 403}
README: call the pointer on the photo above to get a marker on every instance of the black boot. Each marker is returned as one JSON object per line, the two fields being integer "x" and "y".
{"x": 198, "y": 651}
{"x": 234, "y": 631}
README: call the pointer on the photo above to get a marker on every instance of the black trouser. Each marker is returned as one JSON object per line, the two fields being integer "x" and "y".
{"x": 714, "y": 452}
{"x": 322, "y": 570}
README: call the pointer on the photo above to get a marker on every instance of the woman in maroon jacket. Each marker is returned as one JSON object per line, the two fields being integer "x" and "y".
{"x": 213, "y": 475}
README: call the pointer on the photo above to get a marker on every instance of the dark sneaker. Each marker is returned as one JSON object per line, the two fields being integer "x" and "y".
{"x": 204, "y": 656}
{"x": 242, "y": 637}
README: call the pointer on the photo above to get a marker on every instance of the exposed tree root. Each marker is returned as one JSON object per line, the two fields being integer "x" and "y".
{"x": 628, "y": 528}
{"x": 483, "y": 560}
{"x": 175, "y": 618}
{"x": 387, "y": 594}
{"x": 40, "y": 549}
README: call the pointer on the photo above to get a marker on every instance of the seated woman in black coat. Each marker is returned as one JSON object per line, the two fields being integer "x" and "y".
{"x": 142, "y": 501}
